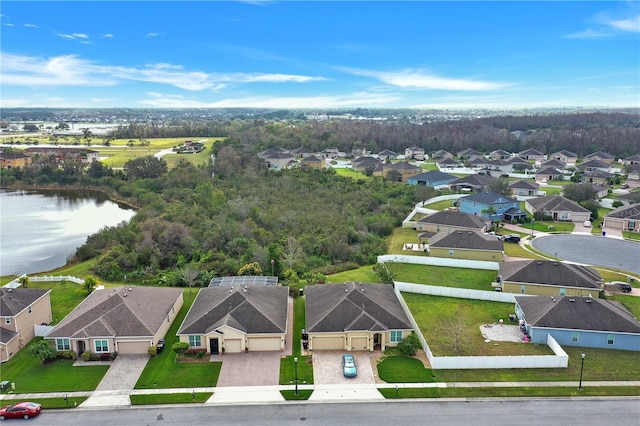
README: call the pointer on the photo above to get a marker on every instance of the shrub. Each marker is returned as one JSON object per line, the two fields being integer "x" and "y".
{"x": 152, "y": 351}
{"x": 86, "y": 356}
{"x": 409, "y": 345}
{"x": 180, "y": 348}
{"x": 201, "y": 354}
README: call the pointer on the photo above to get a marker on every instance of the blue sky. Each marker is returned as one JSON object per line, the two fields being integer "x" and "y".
{"x": 447, "y": 54}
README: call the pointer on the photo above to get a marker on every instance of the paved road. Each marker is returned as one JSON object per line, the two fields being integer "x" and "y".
{"x": 476, "y": 412}
{"x": 592, "y": 249}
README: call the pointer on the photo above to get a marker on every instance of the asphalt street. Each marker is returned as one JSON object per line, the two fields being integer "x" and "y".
{"x": 476, "y": 412}
{"x": 591, "y": 249}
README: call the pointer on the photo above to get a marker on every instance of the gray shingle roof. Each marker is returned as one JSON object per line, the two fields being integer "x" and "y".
{"x": 15, "y": 300}
{"x": 251, "y": 309}
{"x": 525, "y": 184}
{"x": 626, "y": 212}
{"x": 598, "y": 174}
{"x": 403, "y": 165}
{"x": 353, "y": 306}
{"x": 455, "y": 218}
{"x": 548, "y": 171}
{"x": 120, "y": 311}
{"x": 548, "y": 272}
{"x": 565, "y": 153}
{"x": 489, "y": 197}
{"x": 553, "y": 163}
{"x": 475, "y": 181}
{"x": 599, "y": 154}
{"x": 433, "y": 176}
{"x": 530, "y": 151}
{"x": 596, "y": 164}
{"x": 7, "y": 335}
{"x": 448, "y": 162}
{"x": 596, "y": 315}
{"x": 471, "y": 240}
{"x": 556, "y": 203}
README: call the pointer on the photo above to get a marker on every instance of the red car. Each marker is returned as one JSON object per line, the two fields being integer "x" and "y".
{"x": 21, "y": 410}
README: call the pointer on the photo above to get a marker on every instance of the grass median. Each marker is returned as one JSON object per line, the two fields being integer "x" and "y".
{"x": 510, "y": 392}
{"x": 170, "y": 398}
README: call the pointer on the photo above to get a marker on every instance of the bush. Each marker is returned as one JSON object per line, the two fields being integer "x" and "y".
{"x": 200, "y": 355}
{"x": 68, "y": 355}
{"x": 86, "y": 356}
{"x": 152, "y": 351}
{"x": 409, "y": 345}
{"x": 180, "y": 348}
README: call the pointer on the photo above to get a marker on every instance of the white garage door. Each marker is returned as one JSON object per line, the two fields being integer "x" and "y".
{"x": 264, "y": 344}
{"x": 359, "y": 344}
{"x": 232, "y": 345}
{"x": 327, "y": 343}
{"x": 131, "y": 348}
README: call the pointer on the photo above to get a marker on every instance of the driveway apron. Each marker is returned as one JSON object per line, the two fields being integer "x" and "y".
{"x": 120, "y": 379}
{"x": 327, "y": 368}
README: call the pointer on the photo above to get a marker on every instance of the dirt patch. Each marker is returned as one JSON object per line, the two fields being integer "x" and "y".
{"x": 501, "y": 333}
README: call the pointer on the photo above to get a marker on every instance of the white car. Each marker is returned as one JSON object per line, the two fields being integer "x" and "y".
{"x": 587, "y": 224}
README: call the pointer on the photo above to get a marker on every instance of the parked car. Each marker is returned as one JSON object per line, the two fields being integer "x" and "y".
{"x": 511, "y": 238}
{"x": 587, "y": 224}
{"x": 618, "y": 286}
{"x": 160, "y": 346}
{"x": 21, "y": 410}
{"x": 349, "y": 366}
{"x": 624, "y": 186}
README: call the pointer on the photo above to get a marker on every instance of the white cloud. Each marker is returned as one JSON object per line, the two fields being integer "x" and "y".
{"x": 31, "y": 26}
{"x": 606, "y": 25}
{"x": 108, "y": 35}
{"x": 424, "y": 80}
{"x": 8, "y": 25}
{"x": 80, "y": 37}
{"x": 150, "y": 35}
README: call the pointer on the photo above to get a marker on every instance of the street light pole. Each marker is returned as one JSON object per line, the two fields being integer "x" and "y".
{"x": 581, "y": 370}
{"x": 295, "y": 363}
{"x": 533, "y": 222}
{"x": 273, "y": 265}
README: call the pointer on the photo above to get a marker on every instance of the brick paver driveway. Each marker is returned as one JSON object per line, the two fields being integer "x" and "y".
{"x": 327, "y": 368}
{"x": 250, "y": 369}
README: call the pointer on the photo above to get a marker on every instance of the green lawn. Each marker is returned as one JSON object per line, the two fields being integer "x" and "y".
{"x": 163, "y": 371}
{"x": 170, "y": 398}
{"x": 404, "y": 369}
{"x": 442, "y": 276}
{"x": 287, "y": 364}
{"x": 53, "y": 403}
{"x": 515, "y": 250}
{"x": 351, "y": 173}
{"x": 203, "y": 157}
{"x": 64, "y": 297}
{"x": 399, "y": 238}
{"x": 429, "y": 166}
{"x": 550, "y": 226}
{"x": 58, "y": 376}
{"x": 509, "y": 392}
{"x": 631, "y": 235}
{"x": 440, "y": 205}
{"x": 632, "y": 303}
{"x": 436, "y": 316}
{"x": 290, "y": 395}
{"x": 364, "y": 274}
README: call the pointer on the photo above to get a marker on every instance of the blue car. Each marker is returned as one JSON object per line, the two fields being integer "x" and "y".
{"x": 349, "y": 366}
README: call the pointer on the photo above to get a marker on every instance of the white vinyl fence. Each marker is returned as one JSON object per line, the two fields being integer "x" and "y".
{"x": 46, "y": 278}
{"x": 440, "y": 261}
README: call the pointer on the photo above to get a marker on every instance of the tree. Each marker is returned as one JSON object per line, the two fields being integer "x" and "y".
{"x": 292, "y": 251}
{"x": 62, "y": 126}
{"x": 409, "y": 345}
{"x": 455, "y": 331}
{"x": 190, "y": 275}
{"x": 43, "y": 350}
{"x": 31, "y": 127}
{"x": 580, "y": 192}
{"x": 24, "y": 281}
{"x": 499, "y": 186}
{"x": 592, "y": 206}
{"x": 250, "y": 269}
{"x": 145, "y": 167}
{"x": 180, "y": 348}
{"x": 489, "y": 211}
{"x": 90, "y": 283}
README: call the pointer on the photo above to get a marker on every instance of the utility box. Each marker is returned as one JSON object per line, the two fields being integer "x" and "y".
{"x": 4, "y": 386}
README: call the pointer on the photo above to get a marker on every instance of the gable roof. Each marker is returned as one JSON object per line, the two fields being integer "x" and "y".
{"x": 501, "y": 152}
{"x": 441, "y": 153}
{"x": 578, "y": 313}
{"x": 7, "y": 335}
{"x": 455, "y": 218}
{"x": 518, "y": 160}
{"x": 597, "y": 173}
{"x": 596, "y": 164}
{"x": 311, "y": 159}
{"x": 403, "y": 165}
{"x": 468, "y": 152}
{"x": 448, "y": 161}
{"x": 599, "y": 154}
{"x": 366, "y": 161}
{"x": 548, "y": 171}
{"x": 634, "y": 157}
{"x": 354, "y": 306}
{"x": 556, "y": 203}
{"x": 474, "y": 181}
{"x": 626, "y": 212}
{"x": 471, "y": 240}
{"x": 553, "y": 163}
{"x": 524, "y": 183}
{"x": 251, "y": 309}
{"x": 530, "y": 151}
{"x": 565, "y": 153}
{"x": 120, "y": 311}
{"x": 301, "y": 150}
{"x": 433, "y": 176}
{"x": 387, "y": 152}
{"x": 548, "y": 272}
{"x": 15, "y": 300}
{"x": 488, "y": 197}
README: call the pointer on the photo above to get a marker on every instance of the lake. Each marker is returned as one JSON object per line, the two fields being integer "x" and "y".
{"x": 39, "y": 230}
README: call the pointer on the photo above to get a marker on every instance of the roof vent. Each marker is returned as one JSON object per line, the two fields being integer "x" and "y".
{"x": 588, "y": 300}
{"x": 553, "y": 299}
{"x": 538, "y": 262}
{"x": 555, "y": 263}
{"x": 130, "y": 289}
{"x": 362, "y": 290}
{"x": 124, "y": 295}
{"x": 572, "y": 300}
{"x": 346, "y": 290}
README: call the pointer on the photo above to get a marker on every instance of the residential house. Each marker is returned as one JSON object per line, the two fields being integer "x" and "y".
{"x": 414, "y": 153}
{"x": 440, "y": 154}
{"x": 629, "y": 198}
{"x": 20, "y": 310}
{"x": 330, "y": 153}
{"x": 558, "y": 208}
{"x": 358, "y": 152}
{"x": 548, "y": 278}
{"x": 519, "y": 164}
{"x": 601, "y": 190}
{"x": 556, "y": 164}
{"x": 532, "y": 155}
{"x": 492, "y": 206}
{"x": 448, "y": 163}
{"x": 470, "y": 154}
{"x": 84, "y": 155}
{"x": 471, "y": 183}
{"x": 387, "y": 155}
{"x": 279, "y": 160}
{"x": 500, "y": 167}
{"x": 524, "y": 187}
{"x": 601, "y": 156}
{"x": 126, "y": 320}
{"x": 452, "y": 221}
{"x": 626, "y": 218}
{"x": 632, "y": 159}
{"x": 594, "y": 164}
{"x": 548, "y": 174}
{"x": 313, "y": 162}
{"x": 567, "y": 157}
{"x": 14, "y": 160}
{"x": 500, "y": 154}
{"x": 302, "y": 152}
{"x": 354, "y": 317}
{"x": 403, "y": 170}
{"x": 597, "y": 177}
{"x": 477, "y": 163}
{"x": 633, "y": 176}
{"x": 471, "y": 245}
{"x": 432, "y": 178}
{"x": 237, "y": 318}
{"x": 363, "y": 163}
{"x": 579, "y": 321}
{"x": 272, "y": 151}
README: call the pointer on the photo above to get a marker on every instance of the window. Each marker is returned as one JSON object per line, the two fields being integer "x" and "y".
{"x": 396, "y": 335}
{"x": 7, "y": 320}
{"x": 611, "y": 338}
{"x": 575, "y": 337}
{"x": 563, "y": 292}
{"x": 523, "y": 288}
{"x": 194, "y": 341}
{"x": 63, "y": 344}
{"x": 102, "y": 345}
{"x": 450, "y": 252}
{"x": 29, "y": 309}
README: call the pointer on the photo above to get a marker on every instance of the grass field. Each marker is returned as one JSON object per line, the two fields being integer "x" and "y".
{"x": 351, "y": 173}
{"x": 54, "y": 403}
{"x": 287, "y": 364}
{"x": 548, "y": 226}
{"x": 364, "y": 274}
{"x": 399, "y": 238}
{"x": 404, "y": 369}
{"x": 509, "y": 392}
{"x": 442, "y": 276}
{"x": 170, "y": 398}
{"x": 440, "y": 205}
{"x": 64, "y": 297}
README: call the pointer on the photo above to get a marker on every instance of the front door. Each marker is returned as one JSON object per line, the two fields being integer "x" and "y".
{"x": 80, "y": 347}
{"x": 213, "y": 347}
{"x": 377, "y": 341}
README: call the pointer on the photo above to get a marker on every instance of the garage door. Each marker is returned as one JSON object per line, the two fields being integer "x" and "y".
{"x": 232, "y": 345}
{"x": 264, "y": 344}
{"x": 359, "y": 344}
{"x": 130, "y": 348}
{"x": 327, "y": 343}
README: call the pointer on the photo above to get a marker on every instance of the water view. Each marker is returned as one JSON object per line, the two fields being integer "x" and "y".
{"x": 40, "y": 230}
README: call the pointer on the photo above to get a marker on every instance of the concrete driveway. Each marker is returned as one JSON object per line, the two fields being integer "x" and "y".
{"x": 250, "y": 369}
{"x": 327, "y": 368}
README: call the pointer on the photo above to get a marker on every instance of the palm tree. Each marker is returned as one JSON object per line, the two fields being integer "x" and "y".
{"x": 24, "y": 281}
{"x": 90, "y": 283}
{"x": 43, "y": 350}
